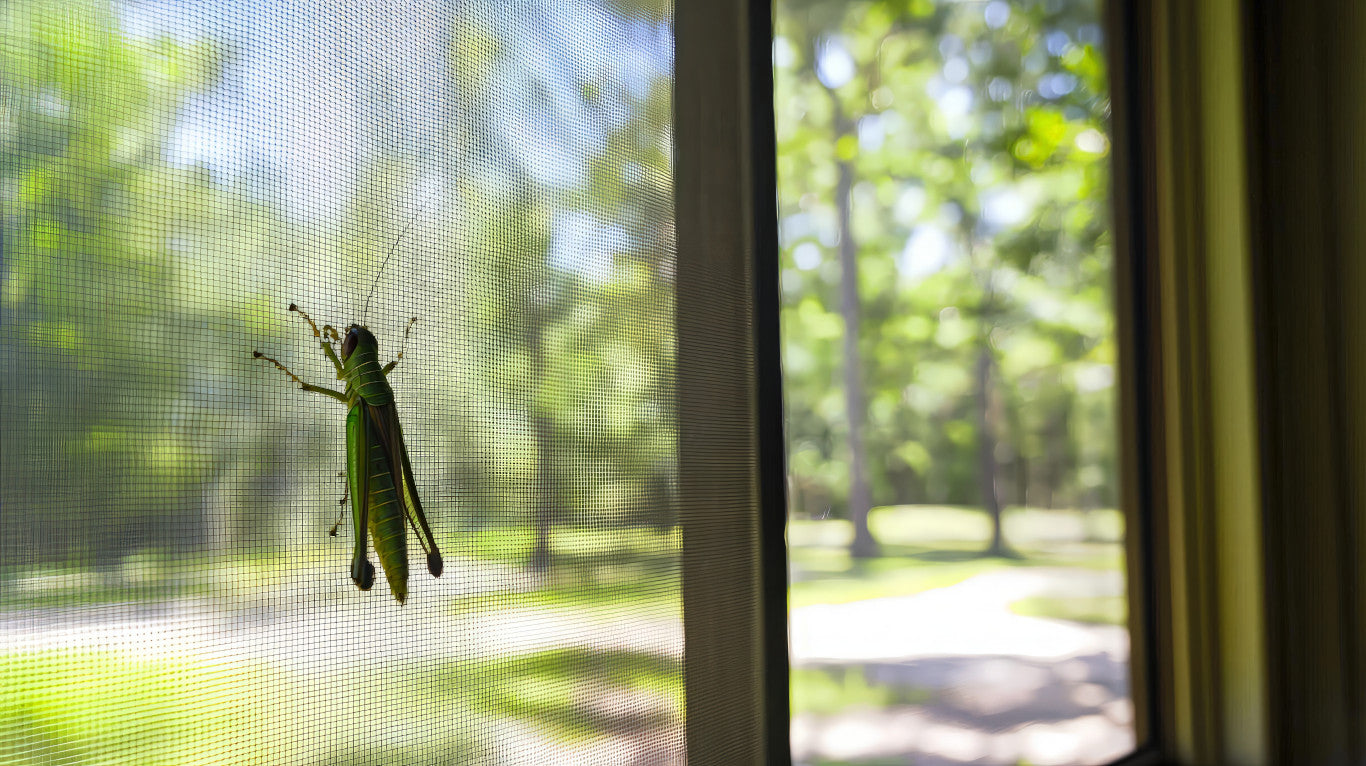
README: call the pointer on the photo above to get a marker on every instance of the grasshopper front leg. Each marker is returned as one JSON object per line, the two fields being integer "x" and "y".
{"x": 325, "y": 338}
{"x": 305, "y": 386}
{"x": 388, "y": 368}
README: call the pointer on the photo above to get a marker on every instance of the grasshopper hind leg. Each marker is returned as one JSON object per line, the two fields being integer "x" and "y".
{"x": 342, "y": 516}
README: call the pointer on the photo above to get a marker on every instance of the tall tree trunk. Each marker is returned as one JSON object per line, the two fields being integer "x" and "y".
{"x": 1021, "y": 479}
{"x": 1056, "y": 437}
{"x": 855, "y": 402}
{"x": 986, "y": 453}
{"x": 540, "y": 558}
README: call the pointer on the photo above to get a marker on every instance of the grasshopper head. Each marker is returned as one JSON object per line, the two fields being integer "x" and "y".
{"x": 357, "y": 336}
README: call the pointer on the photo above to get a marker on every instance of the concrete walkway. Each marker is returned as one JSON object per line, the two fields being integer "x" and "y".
{"x": 1002, "y": 687}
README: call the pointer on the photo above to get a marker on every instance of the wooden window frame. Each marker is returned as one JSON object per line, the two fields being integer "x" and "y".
{"x": 1190, "y": 467}
{"x": 1242, "y": 393}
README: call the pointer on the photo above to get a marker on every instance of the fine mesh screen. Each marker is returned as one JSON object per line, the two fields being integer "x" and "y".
{"x": 175, "y": 176}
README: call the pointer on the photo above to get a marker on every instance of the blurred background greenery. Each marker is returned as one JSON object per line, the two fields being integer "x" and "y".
{"x": 175, "y": 176}
{"x": 952, "y": 158}
{"x": 949, "y": 361}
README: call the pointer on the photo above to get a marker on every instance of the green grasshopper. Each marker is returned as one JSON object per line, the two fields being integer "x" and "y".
{"x": 379, "y": 474}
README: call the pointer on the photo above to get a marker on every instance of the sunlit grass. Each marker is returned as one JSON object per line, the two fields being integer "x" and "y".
{"x": 928, "y": 547}
{"x": 148, "y": 576}
{"x": 923, "y": 547}
{"x": 840, "y": 689}
{"x": 570, "y": 694}
{"x": 512, "y": 545}
{"x": 886, "y": 577}
{"x": 112, "y": 708}
{"x": 641, "y": 593}
{"x": 943, "y": 524}
{"x": 1094, "y": 610}
{"x": 593, "y": 571}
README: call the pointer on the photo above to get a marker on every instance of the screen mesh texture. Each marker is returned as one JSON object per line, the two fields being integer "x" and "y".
{"x": 175, "y": 176}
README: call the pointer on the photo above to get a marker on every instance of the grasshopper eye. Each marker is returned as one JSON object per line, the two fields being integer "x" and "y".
{"x": 349, "y": 345}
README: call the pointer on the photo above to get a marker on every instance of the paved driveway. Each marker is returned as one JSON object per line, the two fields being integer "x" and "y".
{"x": 1001, "y": 687}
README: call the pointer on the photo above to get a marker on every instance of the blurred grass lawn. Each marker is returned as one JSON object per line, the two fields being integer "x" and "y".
{"x": 115, "y": 707}
{"x": 61, "y": 702}
{"x": 56, "y": 706}
{"x": 927, "y": 547}
{"x": 1093, "y": 610}
{"x": 923, "y": 547}
{"x": 832, "y": 690}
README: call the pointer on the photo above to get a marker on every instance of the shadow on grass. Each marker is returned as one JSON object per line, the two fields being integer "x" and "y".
{"x": 979, "y": 698}
{"x": 571, "y": 694}
{"x": 831, "y": 689}
{"x": 1001, "y": 692}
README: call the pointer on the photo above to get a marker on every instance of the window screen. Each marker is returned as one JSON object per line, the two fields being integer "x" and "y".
{"x": 486, "y": 186}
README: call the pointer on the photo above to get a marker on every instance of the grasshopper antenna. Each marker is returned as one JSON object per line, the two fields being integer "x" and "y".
{"x": 366, "y": 309}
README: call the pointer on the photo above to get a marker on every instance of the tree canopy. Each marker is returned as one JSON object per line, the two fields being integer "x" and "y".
{"x": 967, "y": 143}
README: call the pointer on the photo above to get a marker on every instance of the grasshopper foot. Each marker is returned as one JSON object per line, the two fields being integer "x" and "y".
{"x": 363, "y": 574}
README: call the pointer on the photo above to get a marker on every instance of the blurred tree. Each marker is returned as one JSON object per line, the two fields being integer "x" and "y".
{"x": 966, "y": 141}
{"x": 91, "y": 389}
{"x": 135, "y": 283}
{"x": 574, "y": 305}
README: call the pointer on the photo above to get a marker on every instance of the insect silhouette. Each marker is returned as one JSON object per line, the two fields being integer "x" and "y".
{"x": 384, "y": 500}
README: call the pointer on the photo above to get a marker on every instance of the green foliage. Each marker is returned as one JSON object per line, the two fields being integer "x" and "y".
{"x": 979, "y": 210}
{"x": 134, "y": 289}
{"x": 87, "y": 112}
{"x": 564, "y": 372}
{"x": 111, "y": 708}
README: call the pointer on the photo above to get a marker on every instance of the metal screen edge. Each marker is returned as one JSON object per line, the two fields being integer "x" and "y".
{"x": 719, "y": 442}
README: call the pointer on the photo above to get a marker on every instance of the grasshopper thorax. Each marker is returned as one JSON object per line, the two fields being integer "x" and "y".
{"x": 357, "y": 336}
